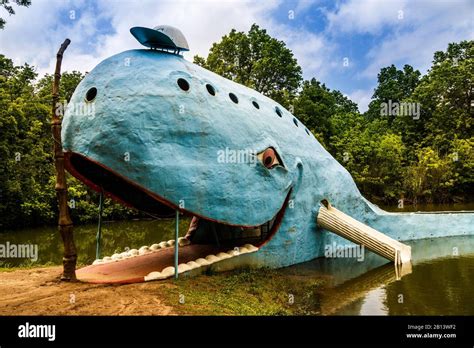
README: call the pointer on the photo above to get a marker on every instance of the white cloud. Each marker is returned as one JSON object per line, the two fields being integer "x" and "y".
{"x": 414, "y": 48}
{"x": 367, "y": 16}
{"x": 303, "y": 5}
{"x": 202, "y": 22}
{"x": 34, "y": 34}
{"x": 422, "y": 28}
{"x": 312, "y": 51}
{"x": 362, "y": 97}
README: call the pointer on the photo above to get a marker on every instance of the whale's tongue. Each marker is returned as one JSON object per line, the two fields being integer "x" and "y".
{"x": 205, "y": 242}
{"x": 135, "y": 269}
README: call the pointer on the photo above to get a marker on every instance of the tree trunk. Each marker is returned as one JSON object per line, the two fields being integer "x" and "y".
{"x": 65, "y": 223}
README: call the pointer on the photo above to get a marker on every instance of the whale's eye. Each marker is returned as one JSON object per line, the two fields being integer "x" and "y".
{"x": 269, "y": 158}
{"x": 91, "y": 94}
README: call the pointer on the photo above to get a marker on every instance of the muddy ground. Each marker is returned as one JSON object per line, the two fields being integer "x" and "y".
{"x": 39, "y": 291}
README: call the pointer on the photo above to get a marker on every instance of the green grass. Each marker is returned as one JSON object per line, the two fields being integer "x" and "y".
{"x": 239, "y": 292}
{"x": 245, "y": 292}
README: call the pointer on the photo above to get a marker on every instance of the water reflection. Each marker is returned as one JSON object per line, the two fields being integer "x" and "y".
{"x": 440, "y": 283}
{"x": 116, "y": 236}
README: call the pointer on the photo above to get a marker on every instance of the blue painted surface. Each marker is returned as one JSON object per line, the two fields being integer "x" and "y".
{"x": 173, "y": 138}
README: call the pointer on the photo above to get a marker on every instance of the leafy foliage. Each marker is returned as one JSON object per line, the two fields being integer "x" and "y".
{"x": 26, "y": 167}
{"x": 256, "y": 60}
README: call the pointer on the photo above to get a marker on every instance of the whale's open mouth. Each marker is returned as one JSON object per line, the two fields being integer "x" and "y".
{"x": 206, "y": 241}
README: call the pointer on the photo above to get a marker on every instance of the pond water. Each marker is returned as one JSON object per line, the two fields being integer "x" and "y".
{"x": 440, "y": 280}
{"x": 117, "y": 236}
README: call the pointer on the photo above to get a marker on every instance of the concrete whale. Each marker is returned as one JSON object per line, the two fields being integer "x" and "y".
{"x": 165, "y": 134}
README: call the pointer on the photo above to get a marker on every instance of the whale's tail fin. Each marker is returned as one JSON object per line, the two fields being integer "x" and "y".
{"x": 336, "y": 221}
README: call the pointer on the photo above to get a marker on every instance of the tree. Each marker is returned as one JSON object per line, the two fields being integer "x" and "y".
{"x": 256, "y": 60}
{"x": 316, "y": 104}
{"x": 10, "y": 10}
{"x": 69, "y": 82}
{"x": 373, "y": 156}
{"x": 24, "y": 146}
{"x": 27, "y": 196}
{"x": 393, "y": 85}
{"x": 446, "y": 95}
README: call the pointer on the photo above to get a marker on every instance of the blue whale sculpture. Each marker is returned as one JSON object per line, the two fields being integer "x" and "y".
{"x": 159, "y": 133}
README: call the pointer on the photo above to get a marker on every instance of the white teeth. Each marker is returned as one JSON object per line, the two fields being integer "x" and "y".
{"x": 202, "y": 262}
{"x": 168, "y": 271}
{"x": 143, "y": 250}
{"x": 154, "y": 276}
{"x": 183, "y": 241}
{"x": 223, "y": 256}
{"x": 250, "y": 247}
{"x": 233, "y": 252}
{"x": 193, "y": 264}
{"x": 183, "y": 268}
{"x": 212, "y": 258}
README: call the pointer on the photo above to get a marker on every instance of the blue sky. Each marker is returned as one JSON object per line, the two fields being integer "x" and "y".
{"x": 369, "y": 34}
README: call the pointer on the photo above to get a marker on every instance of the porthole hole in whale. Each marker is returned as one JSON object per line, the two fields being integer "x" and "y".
{"x": 254, "y": 103}
{"x": 183, "y": 84}
{"x": 210, "y": 89}
{"x": 206, "y": 236}
{"x": 91, "y": 94}
{"x": 295, "y": 121}
{"x": 234, "y": 98}
{"x": 278, "y": 111}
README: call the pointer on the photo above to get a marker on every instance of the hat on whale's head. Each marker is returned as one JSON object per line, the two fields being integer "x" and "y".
{"x": 161, "y": 37}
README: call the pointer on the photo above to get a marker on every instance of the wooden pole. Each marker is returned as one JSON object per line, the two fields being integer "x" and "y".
{"x": 176, "y": 244}
{"x": 65, "y": 223}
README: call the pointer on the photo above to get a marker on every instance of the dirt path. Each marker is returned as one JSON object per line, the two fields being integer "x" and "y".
{"x": 39, "y": 291}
